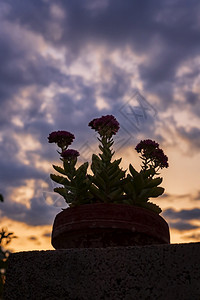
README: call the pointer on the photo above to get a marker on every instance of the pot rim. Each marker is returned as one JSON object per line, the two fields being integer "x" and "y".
{"x": 110, "y": 215}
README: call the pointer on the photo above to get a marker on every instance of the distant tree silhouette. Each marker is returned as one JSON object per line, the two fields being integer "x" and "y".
{"x": 5, "y": 239}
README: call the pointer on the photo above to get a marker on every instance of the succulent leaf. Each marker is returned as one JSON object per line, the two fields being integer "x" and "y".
{"x": 99, "y": 182}
{"x": 62, "y": 192}
{"x": 59, "y": 169}
{"x": 138, "y": 183}
{"x": 151, "y": 206}
{"x": 147, "y": 173}
{"x": 157, "y": 191}
{"x": 59, "y": 179}
{"x": 133, "y": 171}
{"x": 154, "y": 182}
{"x": 82, "y": 169}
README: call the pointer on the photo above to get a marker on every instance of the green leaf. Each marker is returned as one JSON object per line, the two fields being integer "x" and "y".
{"x": 151, "y": 206}
{"x": 96, "y": 158}
{"x": 113, "y": 169}
{"x": 157, "y": 191}
{"x": 128, "y": 201}
{"x": 138, "y": 182}
{"x": 94, "y": 190}
{"x": 110, "y": 143}
{"x": 115, "y": 194}
{"x": 96, "y": 164}
{"x": 145, "y": 174}
{"x": 69, "y": 169}
{"x": 82, "y": 169}
{"x": 99, "y": 182}
{"x": 117, "y": 161}
{"x": 129, "y": 189}
{"x": 61, "y": 191}
{"x": 154, "y": 182}
{"x": 90, "y": 177}
{"x": 144, "y": 195}
{"x": 147, "y": 193}
{"x": 59, "y": 169}
{"x": 104, "y": 176}
{"x": 116, "y": 177}
{"x": 101, "y": 148}
{"x": 71, "y": 188}
{"x": 98, "y": 194}
{"x": 133, "y": 171}
{"x": 59, "y": 179}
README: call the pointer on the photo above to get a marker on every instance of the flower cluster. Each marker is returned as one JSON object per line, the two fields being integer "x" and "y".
{"x": 70, "y": 154}
{"x": 146, "y": 145}
{"x": 62, "y": 138}
{"x": 151, "y": 152}
{"x": 105, "y": 126}
{"x": 160, "y": 159}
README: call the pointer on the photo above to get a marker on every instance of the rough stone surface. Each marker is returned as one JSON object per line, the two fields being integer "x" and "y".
{"x": 128, "y": 273}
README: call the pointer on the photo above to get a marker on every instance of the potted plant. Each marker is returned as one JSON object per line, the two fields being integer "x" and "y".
{"x": 108, "y": 207}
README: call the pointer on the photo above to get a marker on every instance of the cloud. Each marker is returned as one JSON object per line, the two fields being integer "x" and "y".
{"x": 182, "y": 220}
{"x": 47, "y": 234}
{"x": 197, "y": 197}
{"x": 184, "y": 214}
{"x": 39, "y": 212}
{"x": 33, "y": 238}
{"x": 191, "y": 136}
{"x": 18, "y": 173}
{"x": 195, "y": 236}
{"x": 182, "y": 226}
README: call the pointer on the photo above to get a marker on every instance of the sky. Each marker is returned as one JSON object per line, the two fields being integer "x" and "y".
{"x": 64, "y": 63}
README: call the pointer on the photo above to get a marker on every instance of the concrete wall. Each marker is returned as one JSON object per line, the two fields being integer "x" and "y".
{"x": 149, "y": 272}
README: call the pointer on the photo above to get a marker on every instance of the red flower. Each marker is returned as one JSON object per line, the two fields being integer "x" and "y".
{"x": 146, "y": 144}
{"x": 159, "y": 158}
{"x": 70, "y": 154}
{"x": 62, "y": 138}
{"x": 105, "y": 126}
{"x": 150, "y": 149}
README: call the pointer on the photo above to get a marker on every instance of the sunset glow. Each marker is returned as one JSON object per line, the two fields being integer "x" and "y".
{"x": 66, "y": 63}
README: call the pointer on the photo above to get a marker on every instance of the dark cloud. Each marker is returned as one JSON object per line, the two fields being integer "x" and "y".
{"x": 135, "y": 22}
{"x": 47, "y": 234}
{"x": 29, "y": 13}
{"x": 39, "y": 213}
{"x": 106, "y": 24}
{"x": 191, "y": 136}
{"x": 197, "y": 197}
{"x": 182, "y": 226}
{"x": 21, "y": 64}
{"x": 33, "y": 238}
{"x": 184, "y": 214}
{"x": 195, "y": 236}
{"x": 18, "y": 173}
{"x": 181, "y": 220}
{"x": 166, "y": 31}
{"x": 14, "y": 171}
{"x": 191, "y": 97}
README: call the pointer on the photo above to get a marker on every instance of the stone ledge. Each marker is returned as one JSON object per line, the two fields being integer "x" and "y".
{"x": 127, "y": 273}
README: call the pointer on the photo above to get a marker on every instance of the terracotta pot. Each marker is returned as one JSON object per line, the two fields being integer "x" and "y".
{"x": 108, "y": 225}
